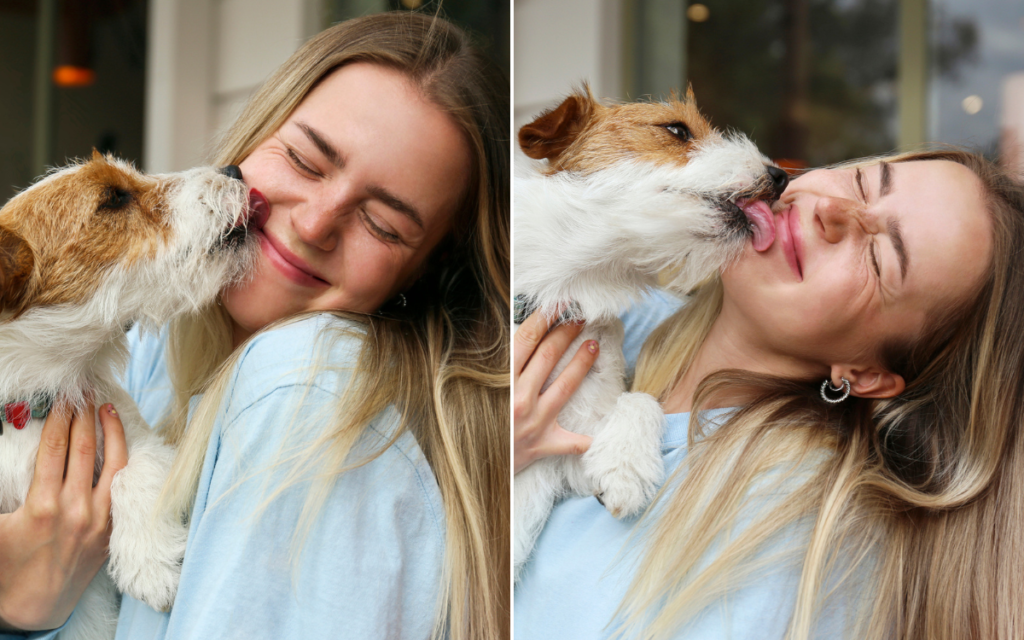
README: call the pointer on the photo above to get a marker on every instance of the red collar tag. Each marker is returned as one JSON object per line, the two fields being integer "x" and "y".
{"x": 17, "y": 413}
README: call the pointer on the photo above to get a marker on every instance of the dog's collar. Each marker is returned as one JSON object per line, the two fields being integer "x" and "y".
{"x": 525, "y": 305}
{"x": 19, "y": 412}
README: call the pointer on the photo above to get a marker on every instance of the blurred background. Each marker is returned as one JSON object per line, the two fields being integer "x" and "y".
{"x": 154, "y": 81}
{"x": 811, "y": 81}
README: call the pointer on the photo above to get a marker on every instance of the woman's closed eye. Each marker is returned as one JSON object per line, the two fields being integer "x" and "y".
{"x": 301, "y": 166}
{"x": 858, "y": 179}
{"x": 874, "y": 259}
{"x": 379, "y": 228}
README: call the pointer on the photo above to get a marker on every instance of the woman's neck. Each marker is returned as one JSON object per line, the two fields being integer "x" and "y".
{"x": 238, "y": 334}
{"x": 720, "y": 350}
{"x": 727, "y": 346}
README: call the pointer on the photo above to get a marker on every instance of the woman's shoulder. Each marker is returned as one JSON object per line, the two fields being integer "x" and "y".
{"x": 311, "y": 357}
{"x": 372, "y": 557}
{"x": 286, "y": 392}
{"x": 322, "y": 339}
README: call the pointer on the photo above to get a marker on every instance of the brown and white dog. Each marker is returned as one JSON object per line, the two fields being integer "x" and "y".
{"x": 85, "y": 253}
{"x": 626, "y": 194}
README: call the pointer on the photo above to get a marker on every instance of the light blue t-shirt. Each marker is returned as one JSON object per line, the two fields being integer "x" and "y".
{"x": 585, "y": 559}
{"x": 371, "y": 565}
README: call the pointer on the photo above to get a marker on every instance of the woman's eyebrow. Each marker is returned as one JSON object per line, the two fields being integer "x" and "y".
{"x": 896, "y": 235}
{"x": 321, "y": 143}
{"x": 397, "y": 204}
{"x": 886, "y": 186}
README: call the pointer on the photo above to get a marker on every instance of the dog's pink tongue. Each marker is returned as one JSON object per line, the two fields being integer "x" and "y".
{"x": 760, "y": 215}
{"x": 259, "y": 209}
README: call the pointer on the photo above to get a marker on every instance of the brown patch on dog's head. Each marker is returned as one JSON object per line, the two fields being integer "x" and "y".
{"x": 585, "y": 136}
{"x": 58, "y": 237}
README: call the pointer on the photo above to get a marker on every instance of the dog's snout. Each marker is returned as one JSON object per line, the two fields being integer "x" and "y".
{"x": 232, "y": 171}
{"x": 779, "y": 181}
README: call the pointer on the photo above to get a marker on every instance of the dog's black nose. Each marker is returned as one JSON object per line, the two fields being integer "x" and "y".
{"x": 232, "y": 171}
{"x": 779, "y": 181}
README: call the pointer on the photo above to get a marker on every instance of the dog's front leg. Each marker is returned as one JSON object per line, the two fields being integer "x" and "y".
{"x": 146, "y": 547}
{"x": 624, "y": 461}
{"x": 536, "y": 489}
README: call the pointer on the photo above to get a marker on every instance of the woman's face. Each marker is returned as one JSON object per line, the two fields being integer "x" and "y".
{"x": 362, "y": 182}
{"x": 860, "y": 256}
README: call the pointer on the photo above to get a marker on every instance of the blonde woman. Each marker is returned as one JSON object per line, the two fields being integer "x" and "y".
{"x": 346, "y": 474}
{"x": 853, "y": 468}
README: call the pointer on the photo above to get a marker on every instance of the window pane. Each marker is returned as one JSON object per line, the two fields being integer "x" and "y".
{"x": 976, "y": 76}
{"x": 811, "y": 81}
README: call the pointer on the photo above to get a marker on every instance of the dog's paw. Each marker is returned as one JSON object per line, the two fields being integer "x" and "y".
{"x": 624, "y": 462}
{"x": 155, "y": 583}
{"x": 624, "y": 483}
{"x": 146, "y": 548}
{"x": 625, "y": 491}
{"x": 145, "y": 560}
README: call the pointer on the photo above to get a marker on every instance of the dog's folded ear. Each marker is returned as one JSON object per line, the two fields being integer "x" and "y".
{"x": 552, "y": 133}
{"x": 16, "y": 262}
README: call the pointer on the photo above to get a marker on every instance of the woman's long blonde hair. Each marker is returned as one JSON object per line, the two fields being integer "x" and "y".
{"x": 911, "y": 508}
{"x": 444, "y": 364}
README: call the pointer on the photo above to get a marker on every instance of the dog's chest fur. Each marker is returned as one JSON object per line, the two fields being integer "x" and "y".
{"x": 17, "y": 458}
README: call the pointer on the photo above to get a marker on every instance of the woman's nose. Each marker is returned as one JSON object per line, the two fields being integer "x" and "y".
{"x": 317, "y": 226}
{"x": 841, "y": 217}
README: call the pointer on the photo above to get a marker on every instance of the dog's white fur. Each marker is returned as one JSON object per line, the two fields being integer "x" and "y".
{"x": 598, "y": 241}
{"x": 75, "y": 353}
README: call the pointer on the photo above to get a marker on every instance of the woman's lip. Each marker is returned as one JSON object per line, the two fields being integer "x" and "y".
{"x": 290, "y": 265}
{"x": 798, "y": 238}
{"x": 791, "y": 241}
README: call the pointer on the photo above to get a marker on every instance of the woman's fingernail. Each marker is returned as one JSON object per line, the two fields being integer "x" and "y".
{"x": 592, "y": 346}
{"x": 111, "y": 410}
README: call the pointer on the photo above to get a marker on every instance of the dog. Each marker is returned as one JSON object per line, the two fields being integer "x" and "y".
{"x": 624, "y": 194}
{"x": 85, "y": 253}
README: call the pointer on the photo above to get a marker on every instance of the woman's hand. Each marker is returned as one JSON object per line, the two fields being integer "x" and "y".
{"x": 536, "y": 352}
{"x": 53, "y": 545}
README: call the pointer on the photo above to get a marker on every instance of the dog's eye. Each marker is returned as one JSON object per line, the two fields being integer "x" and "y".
{"x": 115, "y": 198}
{"x": 679, "y": 130}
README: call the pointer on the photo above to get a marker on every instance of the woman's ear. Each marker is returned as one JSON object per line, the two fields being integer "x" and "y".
{"x": 869, "y": 382}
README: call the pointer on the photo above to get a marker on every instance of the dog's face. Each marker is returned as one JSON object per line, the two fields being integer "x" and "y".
{"x": 101, "y": 224}
{"x": 630, "y": 193}
{"x": 584, "y": 136}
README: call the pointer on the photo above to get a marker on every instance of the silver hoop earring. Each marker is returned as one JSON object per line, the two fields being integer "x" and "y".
{"x": 828, "y": 384}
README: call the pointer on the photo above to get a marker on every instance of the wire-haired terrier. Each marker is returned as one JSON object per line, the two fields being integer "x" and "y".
{"x": 85, "y": 253}
{"x": 627, "y": 194}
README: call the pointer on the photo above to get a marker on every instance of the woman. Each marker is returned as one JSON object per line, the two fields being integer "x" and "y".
{"x": 863, "y": 482}
{"x": 347, "y": 476}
